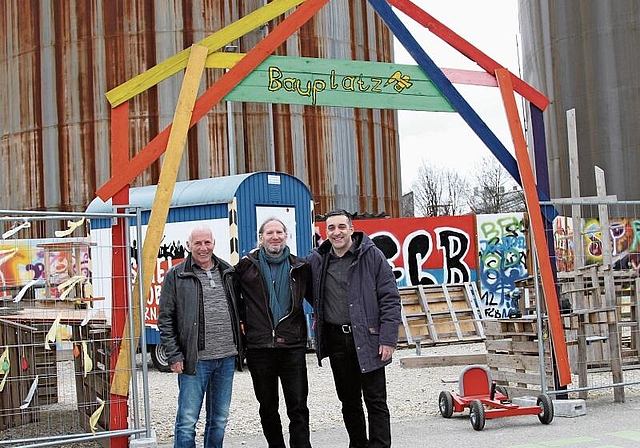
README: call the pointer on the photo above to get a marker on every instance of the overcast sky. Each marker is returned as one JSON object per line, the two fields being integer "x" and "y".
{"x": 444, "y": 139}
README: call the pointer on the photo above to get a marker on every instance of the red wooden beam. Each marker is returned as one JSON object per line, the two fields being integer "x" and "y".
{"x": 466, "y": 48}
{"x": 118, "y": 406}
{"x": 213, "y": 95}
{"x": 537, "y": 225}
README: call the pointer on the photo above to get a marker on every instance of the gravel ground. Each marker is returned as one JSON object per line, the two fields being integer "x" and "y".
{"x": 412, "y": 393}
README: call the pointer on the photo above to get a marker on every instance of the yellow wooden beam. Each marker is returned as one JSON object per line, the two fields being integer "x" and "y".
{"x": 160, "y": 209}
{"x": 214, "y": 42}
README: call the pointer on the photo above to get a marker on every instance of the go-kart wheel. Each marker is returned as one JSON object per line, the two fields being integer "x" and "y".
{"x": 502, "y": 390}
{"x": 445, "y": 403}
{"x": 476, "y": 415}
{"x": 546, "y": 409}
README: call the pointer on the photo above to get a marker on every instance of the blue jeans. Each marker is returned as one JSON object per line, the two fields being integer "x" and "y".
{"x": 266, "y": 365}
{"x": 215, "y": 378}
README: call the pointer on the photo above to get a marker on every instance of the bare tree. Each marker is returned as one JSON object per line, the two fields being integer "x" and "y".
{"x": 494, "y": 190}
{"x": 439, "y": 192}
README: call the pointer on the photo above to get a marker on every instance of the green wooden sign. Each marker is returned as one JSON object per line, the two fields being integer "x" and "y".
{"x": 331, "y": 82}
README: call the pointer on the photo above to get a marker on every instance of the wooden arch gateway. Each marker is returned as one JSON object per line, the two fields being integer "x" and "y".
{"x": 258, "y": 76}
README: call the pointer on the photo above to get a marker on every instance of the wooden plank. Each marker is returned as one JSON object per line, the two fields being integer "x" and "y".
{"x": 454, "y": 317}
{"x": 425, "y": 306}
{"x": 530, "y": 364}
{"x": 467, "y": 49}
{"x": 609, "y": 287}
{"x": 507, "y": 345}
{"x": 214, "y": 42}
{"x": 442, "y": 360}
{"x": 405, "y": 324}
{"x": 516, "y": 377}
{"x": 537, "y": 226}
{"x": 473, "y": 294}
{"x": 160, "y": 209}
{"x": 213, "y": 95}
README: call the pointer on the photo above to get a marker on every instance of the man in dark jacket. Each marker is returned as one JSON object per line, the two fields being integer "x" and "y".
{"x": 271, "y": 284}
{"x": 357, "y": 309}
{"x": 200, "y": 331}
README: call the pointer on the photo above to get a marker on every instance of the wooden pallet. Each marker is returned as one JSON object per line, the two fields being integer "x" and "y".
{"x": 93, "y": 388}
{"x": 512, "y": 355}
{"x": 440, "y": 314}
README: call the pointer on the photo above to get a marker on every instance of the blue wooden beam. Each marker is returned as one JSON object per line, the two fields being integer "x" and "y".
{"x": 454, "y": 97}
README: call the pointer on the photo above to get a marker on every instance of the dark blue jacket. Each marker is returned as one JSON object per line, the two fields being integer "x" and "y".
{"x": 180, "y": 319}
{"x": 373, "y": 296}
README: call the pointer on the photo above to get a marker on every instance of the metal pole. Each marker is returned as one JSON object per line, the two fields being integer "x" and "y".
{"x": 132, "y": 341}
{"x": 143, "y": 333}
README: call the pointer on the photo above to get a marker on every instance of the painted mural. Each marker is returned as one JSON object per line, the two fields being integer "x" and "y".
{"x": 502, "y": 251}
{"x": 427, "y": 251}
{"x": 22, "y": 261}
{"x": 624, "y": 235}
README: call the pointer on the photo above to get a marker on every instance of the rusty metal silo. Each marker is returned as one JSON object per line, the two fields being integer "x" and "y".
{"x": 59, "y": 58}
{"x": 584, "y": 56}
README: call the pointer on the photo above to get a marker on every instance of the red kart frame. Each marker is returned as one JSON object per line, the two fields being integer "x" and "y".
{"x": 486, "y": 400}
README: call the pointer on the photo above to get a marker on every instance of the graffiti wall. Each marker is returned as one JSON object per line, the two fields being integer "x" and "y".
{"x": 624, "y": 235}
{"x": 427, "y": 251}
{"x": 502, "y": 251}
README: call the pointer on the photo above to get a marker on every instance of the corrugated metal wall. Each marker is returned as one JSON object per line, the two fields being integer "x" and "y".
{"x": 584, "y": 55}
{"x": 58, "y": 59}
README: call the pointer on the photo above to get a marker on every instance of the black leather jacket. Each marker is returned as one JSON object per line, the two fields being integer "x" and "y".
{"x": 181, "y": 329}
{"x": 253, "y": 300}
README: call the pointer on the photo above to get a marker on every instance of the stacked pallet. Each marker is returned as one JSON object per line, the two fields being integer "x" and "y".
{"x": 512, "y": 355}
{"x": 440, "y": 314}
{"x": 27, "y": 359}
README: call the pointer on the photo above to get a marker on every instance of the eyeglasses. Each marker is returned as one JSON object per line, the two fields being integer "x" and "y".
{"x": 212, "y": 283}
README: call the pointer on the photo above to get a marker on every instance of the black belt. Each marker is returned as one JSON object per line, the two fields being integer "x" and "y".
{"x": 346, "y": 328}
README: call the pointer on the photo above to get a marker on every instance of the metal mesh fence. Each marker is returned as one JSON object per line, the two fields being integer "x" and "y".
{"x": 58, "y": 351}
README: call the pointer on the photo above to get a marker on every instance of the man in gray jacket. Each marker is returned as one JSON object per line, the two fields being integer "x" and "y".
{"x": 200, "y": 331}
{"x": 357, "y": 309}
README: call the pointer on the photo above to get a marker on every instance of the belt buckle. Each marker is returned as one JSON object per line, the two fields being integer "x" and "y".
{"x": 346, "y": 328}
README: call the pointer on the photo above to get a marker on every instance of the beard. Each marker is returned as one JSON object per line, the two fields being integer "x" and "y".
{"x": 274, "y": 250}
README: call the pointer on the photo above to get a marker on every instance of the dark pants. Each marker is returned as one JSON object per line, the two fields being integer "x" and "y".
{"x": 290, "y": 365}
{"x": 352, "y": 386}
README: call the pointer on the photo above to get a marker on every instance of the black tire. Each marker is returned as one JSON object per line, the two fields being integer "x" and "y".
{"x": 159, "y": 358}
{"x": 445, "y": 404}
{"x": 502, "y": 390}
{"x": 476, "y": 415}
{"x": 546, "y": 409}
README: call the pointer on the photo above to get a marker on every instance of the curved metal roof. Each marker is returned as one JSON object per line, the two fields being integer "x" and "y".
{"x": 216, "y": 190}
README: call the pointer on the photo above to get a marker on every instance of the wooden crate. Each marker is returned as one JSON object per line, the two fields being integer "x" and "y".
{"x": 512, "y": 355}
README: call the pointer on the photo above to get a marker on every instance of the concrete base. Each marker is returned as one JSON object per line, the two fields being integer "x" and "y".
{"x": 144, "y": 442}
{"x": 561, "y": 408}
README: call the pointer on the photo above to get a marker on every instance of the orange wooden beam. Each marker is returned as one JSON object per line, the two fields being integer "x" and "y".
{"x": 466, "y": 48}
{"x": 212, "y": 96}
{"x": 537, "y": 226}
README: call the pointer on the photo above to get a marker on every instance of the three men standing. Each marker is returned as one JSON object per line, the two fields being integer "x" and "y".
{"x": 357, "y": 310}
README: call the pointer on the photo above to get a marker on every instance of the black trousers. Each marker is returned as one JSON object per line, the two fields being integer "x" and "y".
{"x": 290, "y": 366}
{"x": 352, "y": 386}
